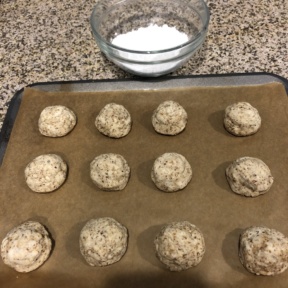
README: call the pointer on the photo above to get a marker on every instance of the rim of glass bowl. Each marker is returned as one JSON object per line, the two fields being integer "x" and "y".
{"x": 109, "y": 44}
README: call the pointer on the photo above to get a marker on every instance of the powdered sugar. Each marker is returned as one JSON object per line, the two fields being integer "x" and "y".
{"x": 156, "y": 50}
{"x": 151, "y": 38}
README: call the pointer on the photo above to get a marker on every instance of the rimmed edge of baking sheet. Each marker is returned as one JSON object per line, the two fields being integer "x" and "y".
{"x": 237, "y": 79}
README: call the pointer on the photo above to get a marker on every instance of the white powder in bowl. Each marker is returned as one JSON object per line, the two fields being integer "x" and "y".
{"x": 151, "y": 38}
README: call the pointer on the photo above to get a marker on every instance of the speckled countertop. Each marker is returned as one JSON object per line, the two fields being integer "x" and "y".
{"x": 51, "y": 41}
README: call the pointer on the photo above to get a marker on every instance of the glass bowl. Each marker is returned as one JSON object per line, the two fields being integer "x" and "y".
{"x": 111, "y": 18}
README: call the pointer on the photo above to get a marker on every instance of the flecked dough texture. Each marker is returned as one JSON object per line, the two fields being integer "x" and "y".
{"x": 56, "y": 121}
{"x": 26, "y": 247}
{"x": 249, "y": 176}
{"x": 242, "y": 119}
{"x": 170, "y": 118}
{"x": 110, "y": 171}
{"x": 46, "y": 173}
{"x": 103, "y": 241}
{"x": 180, "y": 246}
{"x": 114, "y": 121}
{"x": 171, "y": 172}
{"x": 263, "y": 251}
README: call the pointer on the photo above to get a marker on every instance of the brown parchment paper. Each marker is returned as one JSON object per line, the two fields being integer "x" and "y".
{"x": 206, "y": 202}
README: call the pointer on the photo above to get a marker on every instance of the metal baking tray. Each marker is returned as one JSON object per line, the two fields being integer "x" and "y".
{"x": 220, "y": 214}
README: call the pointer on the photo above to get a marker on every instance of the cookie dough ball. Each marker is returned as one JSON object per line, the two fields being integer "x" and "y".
{"x": 242, "y": 119}
{"x": 114, "y": 121}
{"x": 56, "y": 121}
{"x": 169, "y": 118}
{"x": 171, "y": 172}
{"x": 249, "y": 176}
{"x": 26, "y": 247}
{"x": 110, "y": 172}
{"x": 263, "y": 251}
{"x": 103, "y": 241}
{"x": 46, "y": 173}
{"x": 180, "y": 246}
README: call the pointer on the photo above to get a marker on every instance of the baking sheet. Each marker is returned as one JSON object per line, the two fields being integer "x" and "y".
{"x": 206, "y": 202}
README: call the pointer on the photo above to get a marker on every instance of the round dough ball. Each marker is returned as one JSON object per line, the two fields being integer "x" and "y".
{"x": 110, "y": 172}
{"x": 249, "y": 176}
{"x": 26, "y": 247}
{"x": 180, "y": 245}
{"x": 46, "y": 173}
{"x": 169, "y": 118}
{"x": 171, "y": 172}
{"x": 56, "y": 121}
{"x": 114, "y": 121}
{"x": 103, "y": 241}
{"x": 242, "y": 119}
{"x": 263, "y": 251}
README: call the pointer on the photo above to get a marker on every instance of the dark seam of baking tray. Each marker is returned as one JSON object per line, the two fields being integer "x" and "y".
{"x": 16, "y": 99}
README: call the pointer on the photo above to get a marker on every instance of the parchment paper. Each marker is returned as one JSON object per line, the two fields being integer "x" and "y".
{"x": 206, "y": 202}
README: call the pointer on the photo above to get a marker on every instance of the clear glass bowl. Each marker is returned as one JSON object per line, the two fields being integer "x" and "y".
{"x": 111, "y": 18}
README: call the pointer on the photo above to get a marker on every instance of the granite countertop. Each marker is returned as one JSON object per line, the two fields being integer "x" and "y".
{"x": 51, "y": 41}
